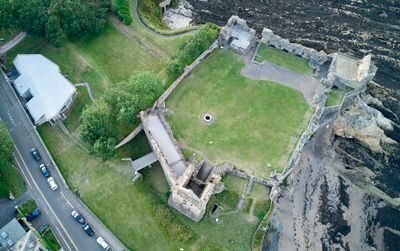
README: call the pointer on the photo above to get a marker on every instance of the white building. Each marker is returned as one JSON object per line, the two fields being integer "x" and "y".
{"x": 48, "y": 94}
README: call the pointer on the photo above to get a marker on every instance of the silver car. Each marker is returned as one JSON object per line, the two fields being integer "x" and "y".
{"x": 52, "y": 183}
{"x": 103, "y": 243}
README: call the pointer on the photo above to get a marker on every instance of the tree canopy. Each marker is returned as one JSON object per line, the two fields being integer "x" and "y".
{"x": 122, "y": 101}
{"x": 97, "y": 121}
{"x": 56, "y": 19}
{"x": 5, "y": 13}
{"x": 193, "y": 48}
{"x": 137, "y": 93}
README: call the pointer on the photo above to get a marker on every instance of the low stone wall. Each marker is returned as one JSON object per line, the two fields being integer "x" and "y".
{"x": 316, "y": 58}
{"x": 243, "y": 175}
{"x": 160, "y": 103}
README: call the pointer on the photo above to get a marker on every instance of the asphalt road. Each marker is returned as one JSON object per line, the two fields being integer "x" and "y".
{"x": 56, "y": 205}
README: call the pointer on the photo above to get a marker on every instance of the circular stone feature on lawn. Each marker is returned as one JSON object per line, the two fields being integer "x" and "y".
{"x": 207, "y": 118}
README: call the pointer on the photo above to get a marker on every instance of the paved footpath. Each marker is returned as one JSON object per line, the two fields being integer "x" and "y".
{"x": 10, "y": 44}
{"x": 56, "y": 205}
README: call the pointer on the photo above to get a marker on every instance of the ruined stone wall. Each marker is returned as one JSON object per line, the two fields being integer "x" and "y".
{"x": 316, "y": 59}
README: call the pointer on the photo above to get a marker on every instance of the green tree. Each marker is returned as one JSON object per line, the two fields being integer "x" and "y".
{"x": 104, "y": 148}
{"x": 175, "y": 67}
{"x": 130, "y": 97}
{"x": 193, "y": 48}
{"x": 97, "y": 121}
{"x": 30, "y": 16}
{"x": 54, "y": 33}
{"x": 5, "y": 13}
{"x": 80, "y": 18}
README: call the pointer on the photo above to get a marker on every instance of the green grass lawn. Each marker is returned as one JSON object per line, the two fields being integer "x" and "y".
{"x": 51, "y": 240}
{"x": 283, "y": 59}
{"x": 335, "y": 97}
{"x": 15, "y": 180}
{"x": 106, "y": 188}
{"x": 256, "y": 122}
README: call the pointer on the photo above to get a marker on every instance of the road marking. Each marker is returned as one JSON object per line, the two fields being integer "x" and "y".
{"x": 51, "y": 209}
{"x": 22, "y": 171}
{"x": 65, "y": 198}
{"x": 11, "y": 118}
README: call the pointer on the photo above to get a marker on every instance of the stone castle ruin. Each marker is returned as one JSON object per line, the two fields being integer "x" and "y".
{"x": 193, "y": 183}
{"x": 237, "y": 35}
{"x": 349, "y": 71}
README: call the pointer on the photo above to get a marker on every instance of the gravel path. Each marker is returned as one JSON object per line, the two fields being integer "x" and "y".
{"x": 308, "y": 85}
{"x": 13, "y": 42}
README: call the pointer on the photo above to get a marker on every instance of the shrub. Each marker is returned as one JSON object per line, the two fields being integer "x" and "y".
{"x": 26, "y": 208}
{"x": 121, "y": 9}
{"x": 193, "y": 48}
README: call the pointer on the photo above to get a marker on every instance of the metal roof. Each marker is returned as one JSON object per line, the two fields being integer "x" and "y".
{"x": 49, "y": 88}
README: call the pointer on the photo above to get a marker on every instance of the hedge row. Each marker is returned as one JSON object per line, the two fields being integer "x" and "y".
{"x": 121, "y": 9}
{"x": 193, "y": 48}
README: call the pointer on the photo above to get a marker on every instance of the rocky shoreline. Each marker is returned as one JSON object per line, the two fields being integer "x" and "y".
{"x": 345, "y": 190}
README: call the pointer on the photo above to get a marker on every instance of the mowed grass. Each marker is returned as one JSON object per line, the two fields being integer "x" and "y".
{"x": 256, "y": 123}
{"x": 234, "y": 228}
{"x": 335, "y": 97}
{"x": 283, "y": 59}
{"x": 109, "y": 193}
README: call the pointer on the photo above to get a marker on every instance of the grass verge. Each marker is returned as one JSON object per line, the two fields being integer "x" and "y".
{"x": 256, "y": 123}
{"x": 15, "y": 180}
{"x": 283, "y": 59}
{"x": 51, "y": 240}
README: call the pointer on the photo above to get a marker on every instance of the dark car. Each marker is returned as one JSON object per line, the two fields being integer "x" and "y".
{"x": 35, "y": 154}
{"x": 88, "y": 229}
{"x": 43, "y": 228}
{"x": 77, "y": 217}
{"x": 33, "y": 215}
{"x": 44, "y": 170}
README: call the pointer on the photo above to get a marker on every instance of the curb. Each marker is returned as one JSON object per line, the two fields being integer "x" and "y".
{"x": 56, "y": 167}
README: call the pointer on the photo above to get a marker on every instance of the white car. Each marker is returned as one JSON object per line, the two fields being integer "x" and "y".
{"x": 52, "y": 183}
{"x": 103, "y": 243}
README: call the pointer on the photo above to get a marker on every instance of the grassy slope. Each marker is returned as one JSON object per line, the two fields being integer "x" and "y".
{"x": 283, "y": 59}
{"x": 108, "y": 192}
{"x": 254, "y": 120}
{"x": 99, "y": 59}
{"x": 17, "y": 183}
{"x": 335, "y": 97}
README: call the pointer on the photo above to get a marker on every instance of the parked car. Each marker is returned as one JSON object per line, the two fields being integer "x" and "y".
{"x": 103, "y": 243}
{"x": 88, "y": 229}
{"x": 35, "y": 154}
{"x": 33, "y": 215}
{"x": 43, "y": 228}
{"x": 44, "y": 170}
{"x": 52, "y": 183}
{"x": 77, "y": 217}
